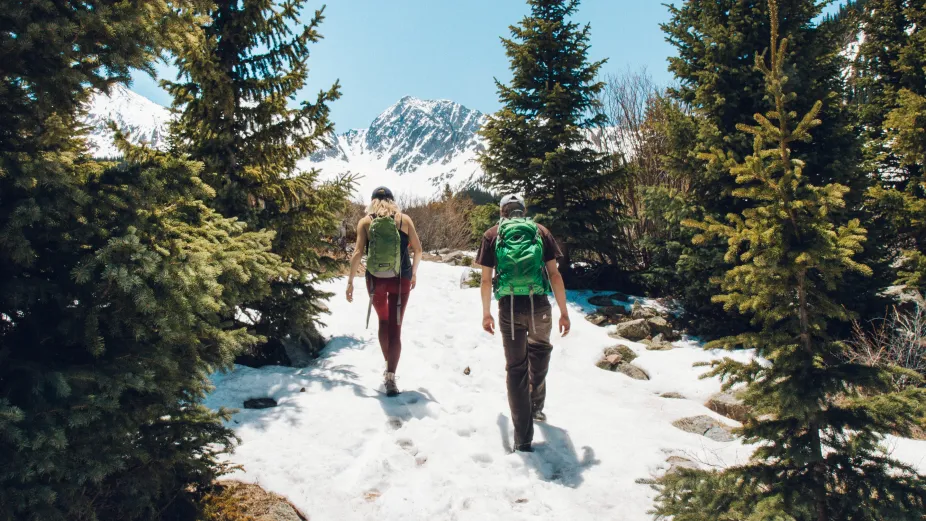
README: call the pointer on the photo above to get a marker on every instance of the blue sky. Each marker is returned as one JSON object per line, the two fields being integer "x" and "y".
{"x": 448, "y": 49}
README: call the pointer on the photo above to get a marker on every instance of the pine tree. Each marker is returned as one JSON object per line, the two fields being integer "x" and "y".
{"x": 890, "y": 96}
{"x": 715, "y": 41}
{"x": 537, "y": 144}
{"x": 114, "y": 278}
{"x": 232, "y": 97}
{"x": 815, "y": 418}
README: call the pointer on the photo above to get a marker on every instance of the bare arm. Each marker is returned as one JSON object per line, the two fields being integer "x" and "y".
{"x": 356, "y": 257}
{"x": 559, "y": 292}
{"x": 415, "y": 243}
{"x": 488, "y": 323}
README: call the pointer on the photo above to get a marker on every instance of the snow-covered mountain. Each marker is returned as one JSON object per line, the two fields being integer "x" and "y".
{"x": 415, "y": 146}
{"x": 145, "y": 120}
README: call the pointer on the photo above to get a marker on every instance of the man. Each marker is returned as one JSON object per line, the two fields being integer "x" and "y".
{"x": 518, "y": 259}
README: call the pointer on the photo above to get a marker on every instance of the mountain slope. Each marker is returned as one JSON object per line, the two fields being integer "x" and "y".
{"x": 415, "y": 147}
{"x": 339, "y": 449}
{"x": 145, "y": 120}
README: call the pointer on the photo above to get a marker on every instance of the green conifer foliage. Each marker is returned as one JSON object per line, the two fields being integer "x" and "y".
{"x": 114, "y": 280}
{"x": 715, "y": 41}
{"x": 816, "y": 419}
{"x": 233, "y": 97}
{"x": 890, "y": 102}
{"x": 538, "y": 145}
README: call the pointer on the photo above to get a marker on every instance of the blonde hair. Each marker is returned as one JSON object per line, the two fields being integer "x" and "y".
{"x": 383, "y": 208}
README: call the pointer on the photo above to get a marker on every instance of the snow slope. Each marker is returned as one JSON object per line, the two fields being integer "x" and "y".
{"x": 343, "y": 451}
{"x": 145, "y": 120}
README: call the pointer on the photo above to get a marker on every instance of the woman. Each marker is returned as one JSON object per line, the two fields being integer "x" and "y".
{"x": 389, "y": 295}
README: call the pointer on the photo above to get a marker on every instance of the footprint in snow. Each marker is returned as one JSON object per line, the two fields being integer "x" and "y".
{"x": 483, "y": 459}
{"x": 407, "y": 445}
{"x": 394, "y": 423}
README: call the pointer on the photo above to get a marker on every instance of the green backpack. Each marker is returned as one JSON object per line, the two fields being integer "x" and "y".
{"x": 519, "y": 259}
{"x": 384, "y": 251}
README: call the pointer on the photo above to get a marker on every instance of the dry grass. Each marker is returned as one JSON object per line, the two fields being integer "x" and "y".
{"x": 236, "y": 501}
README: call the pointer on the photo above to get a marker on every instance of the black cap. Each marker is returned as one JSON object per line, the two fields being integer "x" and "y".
{"x": 383, "y": 193}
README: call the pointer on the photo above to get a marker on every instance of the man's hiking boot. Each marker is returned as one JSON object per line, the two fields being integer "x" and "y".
{"x": 391, "y": 388}
{"x": 539, "y": 416}
{"x": 524, "y": 447}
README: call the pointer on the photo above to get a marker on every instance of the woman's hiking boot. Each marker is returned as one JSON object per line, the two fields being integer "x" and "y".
{"x": 391, "y": 388}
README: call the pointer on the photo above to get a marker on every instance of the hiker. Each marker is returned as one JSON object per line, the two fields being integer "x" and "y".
{"x": 385, "y": 233}
{"x": 523, "y": 256}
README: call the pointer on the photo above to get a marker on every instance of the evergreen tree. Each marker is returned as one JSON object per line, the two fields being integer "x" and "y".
{"x": 815, "y": 418}
{"x": 537, "y": 144}
{"x": 232, "y": 95}
{"x": 890, "y": 96}
{"x": 715, "y": 41}
{"x": 114, "y": 278}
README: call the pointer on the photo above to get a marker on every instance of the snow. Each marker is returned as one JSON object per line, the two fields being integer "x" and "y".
{"x": 145, "y": 120}
{"x": 342, "y": 450}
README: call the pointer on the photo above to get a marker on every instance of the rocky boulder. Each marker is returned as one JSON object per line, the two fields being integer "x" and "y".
{"x": 632, "y": 371}
{"x": 613, "y": 312}
{"x": 626, "y": 354}
{"x": 236, "y": 500}
{"x": 705, "y": 426}
{"x": 597, "y": 319}
{"x": 633, "y": 330}
{"x": 660, "y": 326}
{"x": 729, "y": 405}
{"x": 658, "y": 343}
{"x": 640, "y": 312}
{"x": 672, "y": 396}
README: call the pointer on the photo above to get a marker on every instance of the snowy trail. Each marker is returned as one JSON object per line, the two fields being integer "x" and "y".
{"x": 342, "y": 450}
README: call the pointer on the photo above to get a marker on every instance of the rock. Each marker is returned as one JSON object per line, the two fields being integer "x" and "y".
{"x": 601, "y": 301}
{"x": 457, "y": 258}
{"x": 260, "y": 403}
{"x": 614, "y": 359}
{"x": 678, "y": 462}
{"x": 626, "y": 354}
{"x": 672, "y": 396}
{"x": 634, "y": 330}
{"x": 604, "y": 364}
{"x": 444, "y": 251}
{"x": 466, "y": 371}
{"x": 638, "y": 312}
{"x": 729, "y": 405}
{"x": 705, "y": 426}
{"x": 620, "y": 297}
{"x": 302, "y": 390}
{"x": 430, "y": 257}
{"x": 658, "y": 343}
{"x": 632, "y": 371}
{"x": 660, "y": 326}
{"x": 613, "y": 311}
{"x": 597, "y": 319}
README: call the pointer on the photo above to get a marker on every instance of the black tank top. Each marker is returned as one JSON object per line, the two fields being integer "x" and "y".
{"x": 406, "y": 258}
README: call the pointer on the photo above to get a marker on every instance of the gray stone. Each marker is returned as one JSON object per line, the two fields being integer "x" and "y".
{"x": 260, "y": 403}
{"x": 597, "y": 319}
{"x": 604, "y": 364}
{"x": 705, "y": 426}
{"x": 660, "y": 326}
{"x": 614, "y": 359}
{"x": 601, "y": 301}
{"x": 632, "y": 371}
{"x": 729, "y": 405}
{"x": 634, "y": 330}
{"x": 672, "y": 396}
{"x": 626, "y": 354}
{"x": 638, "y": 311}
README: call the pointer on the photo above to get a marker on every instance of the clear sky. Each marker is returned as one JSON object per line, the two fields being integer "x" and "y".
{"x": 448, "y": 49}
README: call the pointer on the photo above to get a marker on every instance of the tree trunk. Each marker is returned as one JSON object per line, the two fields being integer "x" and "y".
{"x": 818, "y": 468}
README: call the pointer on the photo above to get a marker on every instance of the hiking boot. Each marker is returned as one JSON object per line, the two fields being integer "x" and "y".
{"x": 524, "y": 447}
{"x": 391, "y": 388}
{"x": 539, "y": 416}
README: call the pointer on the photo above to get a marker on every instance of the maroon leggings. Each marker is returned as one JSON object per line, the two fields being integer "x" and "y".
{"x": 386, "y": 301}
